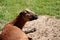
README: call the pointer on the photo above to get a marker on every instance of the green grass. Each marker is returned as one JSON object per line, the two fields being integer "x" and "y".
{"x": 10, "y": 8}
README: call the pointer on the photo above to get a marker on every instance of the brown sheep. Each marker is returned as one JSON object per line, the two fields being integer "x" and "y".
{"x": 12, "y": 30}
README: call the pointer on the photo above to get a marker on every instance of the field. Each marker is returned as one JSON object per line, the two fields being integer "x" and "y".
{"x": 11, "y": 8}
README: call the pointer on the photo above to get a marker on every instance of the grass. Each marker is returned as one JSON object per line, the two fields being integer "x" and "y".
{"x": 10, "y": 8}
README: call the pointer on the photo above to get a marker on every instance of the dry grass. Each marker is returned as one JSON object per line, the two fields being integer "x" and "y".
{"x": 47, "y": 28}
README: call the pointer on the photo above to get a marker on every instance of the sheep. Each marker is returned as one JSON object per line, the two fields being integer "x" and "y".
{"x": 13, "y": 30}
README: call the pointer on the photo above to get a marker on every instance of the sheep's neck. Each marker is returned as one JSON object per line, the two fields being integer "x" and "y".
{"x": 19, "y": 22}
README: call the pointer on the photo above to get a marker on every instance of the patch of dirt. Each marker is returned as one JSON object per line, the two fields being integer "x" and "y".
{"x": 47, "y": 28}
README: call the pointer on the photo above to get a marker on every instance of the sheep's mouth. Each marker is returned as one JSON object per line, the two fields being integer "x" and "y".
{"x": 34, "y": 17}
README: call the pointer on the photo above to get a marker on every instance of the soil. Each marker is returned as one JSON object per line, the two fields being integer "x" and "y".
{"x": 47, "y": 28}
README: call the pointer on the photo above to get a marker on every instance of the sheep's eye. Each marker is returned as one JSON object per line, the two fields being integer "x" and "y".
{"x": 27, "y": 11}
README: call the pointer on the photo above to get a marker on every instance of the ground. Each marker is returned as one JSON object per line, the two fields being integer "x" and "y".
{"x": 47, "y": 28}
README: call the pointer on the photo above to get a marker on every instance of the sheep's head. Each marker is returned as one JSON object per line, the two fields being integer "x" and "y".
{"x": 28, "y": 15}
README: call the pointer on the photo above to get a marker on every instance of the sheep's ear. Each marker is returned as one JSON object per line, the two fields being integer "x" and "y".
{"x": 21, "y": 13}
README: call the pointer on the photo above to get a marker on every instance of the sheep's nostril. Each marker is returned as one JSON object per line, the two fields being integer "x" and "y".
{"x": 35, "y": 17}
